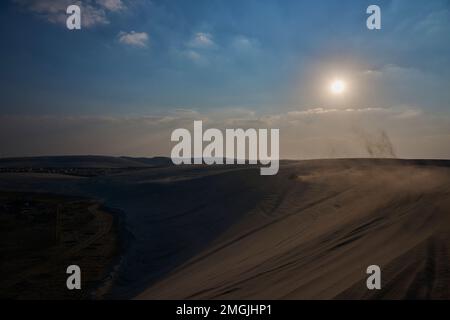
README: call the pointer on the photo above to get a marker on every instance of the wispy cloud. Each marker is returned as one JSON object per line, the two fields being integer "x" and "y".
{"x": 198, "y": 48}
{"x": 242, "y": 43}
{"x": 201, "y": 40}
{"x": 92, "y": 12}
{"x": 112, "y": 5}
{"x": 194, "y": 56}
{"x": 136, "y": 39}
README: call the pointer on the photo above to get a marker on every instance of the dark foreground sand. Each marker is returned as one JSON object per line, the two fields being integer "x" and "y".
{"x": 314, "y": 237}
{"x": 309, "y": 232}
{"x": 42, "y": 234}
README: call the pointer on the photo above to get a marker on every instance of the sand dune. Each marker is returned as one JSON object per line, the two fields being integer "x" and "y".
{"x": 322, "y": 224}
{"x": 219, "y": 232}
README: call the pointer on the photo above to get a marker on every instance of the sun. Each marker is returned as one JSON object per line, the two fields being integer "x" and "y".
{"x": 338, "y": 86}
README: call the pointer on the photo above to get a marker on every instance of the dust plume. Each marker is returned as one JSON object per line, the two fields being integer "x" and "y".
{"x": 377, "y": 145}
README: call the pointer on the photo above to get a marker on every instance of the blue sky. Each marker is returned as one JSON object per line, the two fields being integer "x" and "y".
{"x": 255, "y": 54}
{"x": 153, "y": 58}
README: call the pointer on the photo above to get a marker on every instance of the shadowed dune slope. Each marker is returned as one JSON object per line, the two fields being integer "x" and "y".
{"x": 317, "y": 228}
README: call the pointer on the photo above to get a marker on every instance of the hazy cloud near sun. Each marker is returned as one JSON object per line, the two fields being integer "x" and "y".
{"x": 304, "y": 134}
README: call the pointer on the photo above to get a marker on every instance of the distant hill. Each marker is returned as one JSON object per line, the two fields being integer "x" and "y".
{"x": 152, "y": 162}
{"x": 83, "y": 162}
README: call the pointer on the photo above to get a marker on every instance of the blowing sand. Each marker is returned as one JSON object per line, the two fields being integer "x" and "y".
{"x": 318, "y": 229}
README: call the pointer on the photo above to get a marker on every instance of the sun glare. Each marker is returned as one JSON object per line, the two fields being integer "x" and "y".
{"x": 337, "y": 86}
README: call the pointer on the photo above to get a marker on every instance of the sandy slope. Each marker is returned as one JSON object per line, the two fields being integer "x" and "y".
{"x": 170, "y": 213}
{"x": 308, "y": 232}
{"x": 317, "y": 228}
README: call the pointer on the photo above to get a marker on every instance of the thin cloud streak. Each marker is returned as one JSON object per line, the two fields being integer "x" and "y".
{"x": 304, "y": 134}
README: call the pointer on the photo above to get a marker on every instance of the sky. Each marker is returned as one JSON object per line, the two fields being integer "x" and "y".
{"x": 139, "y": 69}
